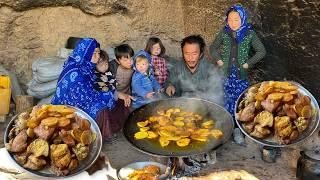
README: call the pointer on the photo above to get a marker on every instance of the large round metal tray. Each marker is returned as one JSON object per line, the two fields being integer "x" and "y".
{"x": 271, "y": 141}
{"x": 95, "y": 148}
{"x": 223, "y": 121}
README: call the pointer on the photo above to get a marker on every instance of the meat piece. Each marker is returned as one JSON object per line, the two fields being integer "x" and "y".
{"x": 248, "y": 113}
{"x": 66, "y": 138}
{"x": 44, "y": 132}
{"x": 19, "y": 143}
{"x": 248, "y": 127}
{"x": 21, "y": 158}
{"x": 289, "y": 110}
{"x": 269, "y": 105}
{"x": 35, "y": 163}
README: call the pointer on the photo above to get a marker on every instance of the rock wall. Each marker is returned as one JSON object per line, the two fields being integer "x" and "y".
{"x": 34, "y": 30}
{"x": 291, "y": 33}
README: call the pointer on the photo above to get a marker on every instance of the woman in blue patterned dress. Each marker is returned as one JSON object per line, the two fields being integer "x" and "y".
{"x": 75, "y": 88}
{"x": 235, "y": 40}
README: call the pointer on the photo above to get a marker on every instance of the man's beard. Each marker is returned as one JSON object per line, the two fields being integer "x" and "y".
{"x": 192, "y": 68}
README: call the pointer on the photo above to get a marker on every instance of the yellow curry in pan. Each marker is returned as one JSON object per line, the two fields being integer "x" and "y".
{"x": 177, "y": 126}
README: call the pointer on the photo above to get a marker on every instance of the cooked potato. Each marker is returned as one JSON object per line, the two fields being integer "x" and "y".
{"x": 140, "y": 135}
{"x": 183, "y": 142}
{"x": 216, "y": 133}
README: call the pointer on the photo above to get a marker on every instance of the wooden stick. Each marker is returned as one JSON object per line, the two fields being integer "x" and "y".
{"x": 23, "y": 102}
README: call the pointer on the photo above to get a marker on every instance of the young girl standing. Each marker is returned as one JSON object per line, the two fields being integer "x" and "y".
{"x": 159, "y": 64}
{"x": 235, "y": 40}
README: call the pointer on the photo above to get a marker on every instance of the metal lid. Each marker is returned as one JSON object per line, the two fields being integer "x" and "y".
{"x": 313, "y": 154}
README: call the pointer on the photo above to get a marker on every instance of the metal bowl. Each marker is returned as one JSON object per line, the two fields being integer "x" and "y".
{"x": 95, "y": 148}
{"x": 271, "y": 141}
{"x": 223, "y": 121}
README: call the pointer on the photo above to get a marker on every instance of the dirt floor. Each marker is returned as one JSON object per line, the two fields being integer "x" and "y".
{"x": 229, "y": 157}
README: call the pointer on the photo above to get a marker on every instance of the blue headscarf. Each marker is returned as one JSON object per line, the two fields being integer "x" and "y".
{"x": 75, "y": 84}
{"x": 241, "y": 32}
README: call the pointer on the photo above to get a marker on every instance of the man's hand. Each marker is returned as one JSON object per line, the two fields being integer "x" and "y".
{"x": 149, "y": 95}
{"x": 245, "y": 66}
{"x": 126, "y": 98}
{"x": 170, "y": 90}
{"x": 220, "y": 63}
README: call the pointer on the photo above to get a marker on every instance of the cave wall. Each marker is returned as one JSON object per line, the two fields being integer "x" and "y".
{"x": 289, "y": 29}
{"x": 30, "y": 31}
{"x": 291, "y": 33}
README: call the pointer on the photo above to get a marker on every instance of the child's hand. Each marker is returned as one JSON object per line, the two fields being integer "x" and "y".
{"x": 149, "y": 95}
{"x": 157, "y": 72}
{"x": 245, "y": 66}
{"x": 220, "y": 63}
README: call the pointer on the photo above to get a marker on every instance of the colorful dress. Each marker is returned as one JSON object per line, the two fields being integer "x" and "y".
{"x": 142, "y": 84}
{"x": 75, "y": 87}
{"x": 159, "y": 64}
{"x": 76, "y": 81}
{"x": 234, "y": 54}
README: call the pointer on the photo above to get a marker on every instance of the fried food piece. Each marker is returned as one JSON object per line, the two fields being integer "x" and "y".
{"x": 301, "y": 123}
{"x": 142, "y": 123}
{"x": 164, "y": 141}
{"x": 183, "y": 142}
{"x": 165, "y": 133}
{"x": 33, "y": 122}
{"x": 73, "y": 164}
{"x": 60, "y": 155}
{"x": 248, "y": 127}
{"x": 38, "y": 147}
{"x": 64, "y": 110}
{"x": 294, "y": 135}
{"x": 21, "y": 122}
{"x": 306, "y": 111}
{"x": 289, "y": 110}
{"x": 81, "y": 151}
{"x": 283, "y": 126}
{"x": 21, "y": 158}
{"x": 260, "y": 132}
{"x": 76, "y": 134}
{"x": 178, "y": 123}
{"x": 43, "y": 132}
{"x": 84, "y": 124}
{"x": 19, "y": 143}
{"x": 270, "y": 105}
{"x": 152, "y": 135}
{"x": 67, "y": 138}
{"x": 86, "y": 137}
{"x": 30, "y": 132}
{"x": 264, "y": 118}
{"x": 63, "y": 122}
{"x": 275, "y": 96}
{"x": 35, "y": 163}
{"x": 216, "y": 133}
{"x": 208, "y": 124}
{"x": 140, "y": 135}
{"x": 144, "y": 129}
{"x": 202, "y": 132}
{"x": 50, "y": 121}
{"x": 287, "y": 97}
{"x": 199, "y": 138}
{"x": 247, "y": 113}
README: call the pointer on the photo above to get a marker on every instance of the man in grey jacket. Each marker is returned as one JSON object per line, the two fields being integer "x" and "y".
{"x": 194, "y": 76}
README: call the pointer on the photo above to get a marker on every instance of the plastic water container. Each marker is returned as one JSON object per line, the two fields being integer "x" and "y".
{"x": 5, "y": 94}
